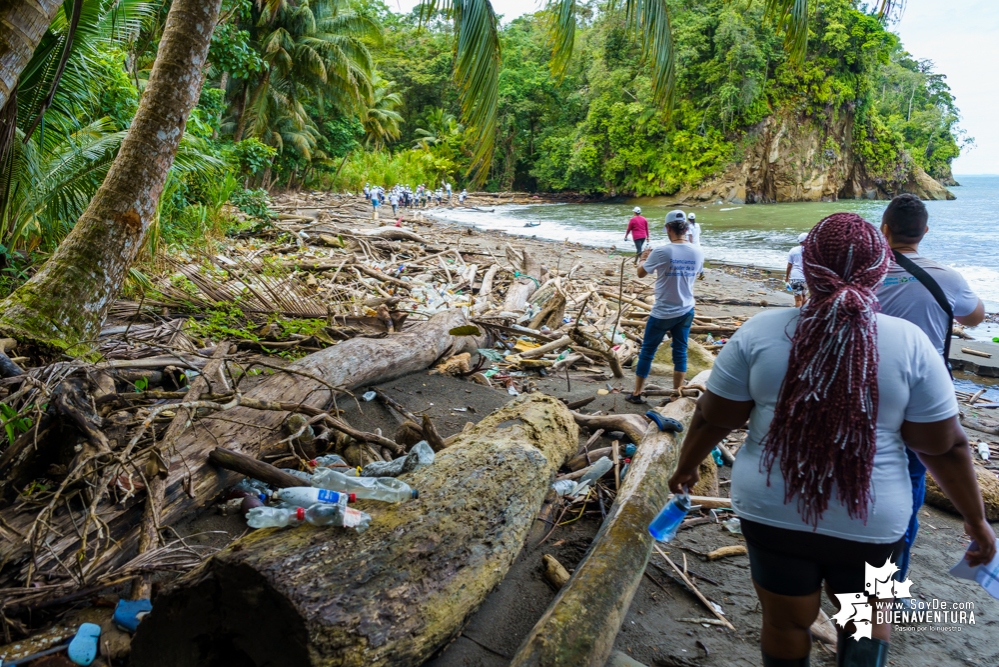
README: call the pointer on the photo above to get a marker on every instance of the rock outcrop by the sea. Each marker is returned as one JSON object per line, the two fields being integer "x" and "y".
{"x": 803, "y": 160}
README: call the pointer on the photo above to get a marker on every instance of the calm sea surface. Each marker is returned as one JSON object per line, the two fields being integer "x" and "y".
{"x": 963, "y": 234}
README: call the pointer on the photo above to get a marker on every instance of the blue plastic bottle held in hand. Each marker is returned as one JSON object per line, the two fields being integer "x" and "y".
{"x": 668, "y": 521}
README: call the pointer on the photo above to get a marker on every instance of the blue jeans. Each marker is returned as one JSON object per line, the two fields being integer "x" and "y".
{"x": 655, "y": 331}
{"x": 917, "y": 475}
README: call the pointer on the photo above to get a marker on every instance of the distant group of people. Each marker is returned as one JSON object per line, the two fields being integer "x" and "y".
{"x": 405, "y": 196}
{"x": 849, "y": 401}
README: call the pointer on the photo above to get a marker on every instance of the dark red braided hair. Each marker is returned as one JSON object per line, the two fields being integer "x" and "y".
{"x": 824, "y": 426}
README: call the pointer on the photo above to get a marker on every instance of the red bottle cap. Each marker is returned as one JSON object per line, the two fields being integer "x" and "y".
{"x": 313, "y": 463}
{"x": 627, "y": 460}
{"x": 300, "y": 514}
{"x": 352, "y": 498}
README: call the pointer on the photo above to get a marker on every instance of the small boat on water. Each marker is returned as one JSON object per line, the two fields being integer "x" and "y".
{"x": 532, "y": 224}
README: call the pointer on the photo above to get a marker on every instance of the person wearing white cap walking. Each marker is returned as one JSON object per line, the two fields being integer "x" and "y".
{"x": 693, "y": 230}
{"x": 795, "y": 274}
{"x": 638, "y": 227}
{"x": 676, "y": 266}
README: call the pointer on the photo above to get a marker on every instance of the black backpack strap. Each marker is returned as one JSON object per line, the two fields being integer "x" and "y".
{"x": 920, "y": 274}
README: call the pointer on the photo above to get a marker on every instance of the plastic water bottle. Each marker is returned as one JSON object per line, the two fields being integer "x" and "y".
{"x": 248, "y": 486}
{"x": 386, "y": 489}
{"x": 710, "y": 340}
{"x": 307, "y": 496}
{"x": 563, "y": 487}
{"x": 274, "y": 517}
{"x": 983, "y": 450}
{"x": 624, "y": 468}
{"x": 663, "y": 528}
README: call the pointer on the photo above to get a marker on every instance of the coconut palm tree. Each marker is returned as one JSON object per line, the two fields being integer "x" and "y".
{"x": 22, "y": 25}
{"x": 477, "y": 52}
{"x": 381, "y": 120}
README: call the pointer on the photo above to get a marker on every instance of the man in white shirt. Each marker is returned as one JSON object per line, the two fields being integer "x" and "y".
{"x": 795, "y": 274}
{"x": 903, "y": 295}
{"x": 693, "y": 230}
{"x": 676, "y": 266}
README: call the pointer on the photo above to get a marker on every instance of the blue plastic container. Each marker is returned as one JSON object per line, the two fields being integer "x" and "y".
{"x": 663, "y": 528}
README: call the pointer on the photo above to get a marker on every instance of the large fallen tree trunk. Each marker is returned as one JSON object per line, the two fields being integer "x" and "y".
{"x": 191, "y": 480}
{"x": 581, "y": 623}
{"x": 390, "y": 596}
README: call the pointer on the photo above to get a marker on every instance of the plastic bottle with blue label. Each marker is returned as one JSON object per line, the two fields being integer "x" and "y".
{"x": 385, "y": 489}
{"x": 664, "y": 527}
{"x": 307, "y": 496}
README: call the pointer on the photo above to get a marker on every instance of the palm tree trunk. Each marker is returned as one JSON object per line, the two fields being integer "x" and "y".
{"x": 65, "y": 303}
{"x": 22, "y": 24}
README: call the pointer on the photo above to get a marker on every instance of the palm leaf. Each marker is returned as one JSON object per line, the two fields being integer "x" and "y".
{"x": 561, "y": 21}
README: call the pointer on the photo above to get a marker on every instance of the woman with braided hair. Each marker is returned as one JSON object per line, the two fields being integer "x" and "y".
{"x": 831, "y": 392}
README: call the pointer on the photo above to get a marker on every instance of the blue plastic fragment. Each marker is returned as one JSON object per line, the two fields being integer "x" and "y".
{"x": 128, "y": 613}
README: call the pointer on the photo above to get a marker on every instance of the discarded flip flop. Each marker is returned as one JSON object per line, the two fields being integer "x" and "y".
{"x": 635, "y": 398}
{"x": 665, "y": 423}
{"x": 83, "y": 648}
{"x": 128, "y": 613}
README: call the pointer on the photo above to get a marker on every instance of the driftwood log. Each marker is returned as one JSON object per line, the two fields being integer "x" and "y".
{"x": 524, "y": 285}
{"x": 192, "y": 481}
{"x": 988, "y": 483}
{"x": 581, "y": 623}
{"x": 631, "y": 424}
{"x": 390, "y": 596}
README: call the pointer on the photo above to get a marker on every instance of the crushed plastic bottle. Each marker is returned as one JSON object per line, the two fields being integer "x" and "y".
{"x": 563, "y": 487}
{"x": 386, "y": 489}
{"x": 733, "y": 525}
{"x": 329, "y": 461}
{"x": 369, "y": 395}
{"x": 338, "y": 515}
{"x": 300, "y": 474}
{"x": 664, "y": 527}
{"x": 306, "y": 496}
{"x": 595, "y": 472}
{"x": 248, "y": 486}
{"x": 274, "y": 517}
{"x": 710, "y": 340}
{"x": 983, "y": 450}
{"x": 420, "y": 456}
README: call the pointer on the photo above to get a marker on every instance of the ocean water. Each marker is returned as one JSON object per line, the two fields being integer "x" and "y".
{"x": 963, "y": 233}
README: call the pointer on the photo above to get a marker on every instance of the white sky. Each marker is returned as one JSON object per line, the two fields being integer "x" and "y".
{"x": 960, "y": 36}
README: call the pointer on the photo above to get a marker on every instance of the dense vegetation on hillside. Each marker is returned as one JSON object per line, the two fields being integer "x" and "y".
{"x": 335, "y": 93}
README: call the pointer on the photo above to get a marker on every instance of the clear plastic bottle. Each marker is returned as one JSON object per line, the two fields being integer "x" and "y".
{"x": 338, "y": 515}
{"x": 596, "y": 471}
{"x": 304, "y": 476}
{"x": 624, "y": 468}
{"x": 663, "y": 528}
{"x": 563, "y": 487}
{"x": 274, "y": 517}
{"x": 386, "y": 489}
{"x": 328, "y": 461}
{"x": 249, "y": 486}
{"x": 307, "y": 496}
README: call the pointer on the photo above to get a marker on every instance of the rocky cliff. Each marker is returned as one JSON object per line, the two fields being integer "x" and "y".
{"x": 801, "y": 159}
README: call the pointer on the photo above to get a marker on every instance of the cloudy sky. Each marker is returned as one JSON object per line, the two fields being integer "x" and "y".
{"x": 960, "y": 36}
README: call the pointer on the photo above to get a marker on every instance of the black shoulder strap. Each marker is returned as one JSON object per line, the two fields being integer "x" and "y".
{"x": 920, "y": 274}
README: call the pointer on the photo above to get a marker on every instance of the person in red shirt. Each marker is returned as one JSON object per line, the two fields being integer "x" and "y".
{"x": 638, "y": 227}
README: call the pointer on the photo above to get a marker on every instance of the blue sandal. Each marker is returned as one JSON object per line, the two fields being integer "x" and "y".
{"x": 665, "y": 423}
{"x": 83, "y": 648}
{"x": 128, "y": 613}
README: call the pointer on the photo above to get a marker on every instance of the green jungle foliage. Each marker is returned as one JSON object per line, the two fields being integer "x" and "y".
{"x": 334, "y": 94}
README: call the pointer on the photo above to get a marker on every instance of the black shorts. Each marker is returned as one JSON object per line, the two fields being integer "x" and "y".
{"x": 638, "y": 245}
{"x": 796, "y": 562}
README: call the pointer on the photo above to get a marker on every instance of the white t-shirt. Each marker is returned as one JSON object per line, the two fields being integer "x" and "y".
{"x": 913, "y": 385}
{"x": 902, "y": 295}
{"x": 694, "y": 233}
{"x": 795, "y": 260}
{"x": 677, "y": 266}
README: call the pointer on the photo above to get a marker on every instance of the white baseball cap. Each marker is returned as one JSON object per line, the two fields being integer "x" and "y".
{"x": 637, "y": 209}
{"x": 802, "y": 236}
{"x": 691, "y": 216}
{"x": 676, "y": 216}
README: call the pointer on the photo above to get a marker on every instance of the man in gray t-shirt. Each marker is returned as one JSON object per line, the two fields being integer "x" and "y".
{"x": 676, "y": 266}
{"x": 903, "y": 296}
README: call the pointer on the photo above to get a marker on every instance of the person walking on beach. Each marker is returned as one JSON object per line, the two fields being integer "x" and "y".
{"x": 394, "y": 201}
{"x": 676, "y": 266}
{"x": 795, "y": 274}
{"x": 930, "y": 296}
{"x": 833, "y": 393}
{"x": 638, "y": 227}
{"x": 694, "y": 230}
{"x": 375, "y": 202}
